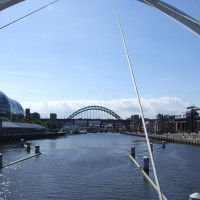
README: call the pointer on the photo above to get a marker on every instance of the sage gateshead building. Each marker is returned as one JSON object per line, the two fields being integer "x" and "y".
{"x": 9, "y": 107}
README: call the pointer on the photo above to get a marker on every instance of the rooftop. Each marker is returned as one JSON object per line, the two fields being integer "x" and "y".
{"x": 21, "y": 125}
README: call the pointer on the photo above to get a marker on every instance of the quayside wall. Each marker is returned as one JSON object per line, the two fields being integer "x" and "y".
{"x": 181, "y": 138}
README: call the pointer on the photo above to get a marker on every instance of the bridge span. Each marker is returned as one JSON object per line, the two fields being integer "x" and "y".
{"x": 95, "y": 118}
{"x": 92, "y": 112}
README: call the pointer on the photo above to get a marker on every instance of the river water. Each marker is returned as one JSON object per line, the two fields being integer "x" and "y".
{"x": 96, "y": 166}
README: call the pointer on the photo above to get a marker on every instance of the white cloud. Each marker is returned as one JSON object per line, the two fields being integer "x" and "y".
{"x": 123, "y": 107}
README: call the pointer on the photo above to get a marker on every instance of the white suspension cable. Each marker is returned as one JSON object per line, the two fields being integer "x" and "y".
{"x": 139, "y": 102}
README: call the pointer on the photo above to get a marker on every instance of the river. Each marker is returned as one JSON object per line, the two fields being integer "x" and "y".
{"x": 96, "y": 166}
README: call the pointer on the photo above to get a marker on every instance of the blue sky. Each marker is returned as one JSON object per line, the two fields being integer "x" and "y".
{"x": 70, "y": 55}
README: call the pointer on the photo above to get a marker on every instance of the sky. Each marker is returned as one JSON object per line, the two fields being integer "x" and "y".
{"x": 70, "y": 55}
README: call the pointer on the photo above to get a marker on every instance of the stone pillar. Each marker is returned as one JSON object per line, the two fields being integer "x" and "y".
{"x": 53, "y": 120}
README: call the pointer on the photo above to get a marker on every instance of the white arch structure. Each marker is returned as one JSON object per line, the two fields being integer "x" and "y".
{"x": 181, "y": 17}
{"x": 178, "y": 15}
{"x": 7, "y": 3}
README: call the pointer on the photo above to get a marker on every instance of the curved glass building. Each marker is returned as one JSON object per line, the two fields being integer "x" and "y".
{"x": 9, "y": 106}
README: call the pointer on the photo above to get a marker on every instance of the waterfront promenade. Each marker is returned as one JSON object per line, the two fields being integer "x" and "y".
{"x": 182, "y": 138}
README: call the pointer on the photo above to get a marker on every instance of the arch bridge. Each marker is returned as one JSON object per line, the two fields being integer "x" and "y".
{"x": 95, "y": 118}
{"x": 94, "y": 112}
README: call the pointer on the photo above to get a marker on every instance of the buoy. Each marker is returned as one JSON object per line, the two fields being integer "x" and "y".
{"x": 195, "y": 196}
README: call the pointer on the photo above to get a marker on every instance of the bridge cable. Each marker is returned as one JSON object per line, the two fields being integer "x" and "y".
{"x": 28, "y": 14}
{"x": 139, "y": 102}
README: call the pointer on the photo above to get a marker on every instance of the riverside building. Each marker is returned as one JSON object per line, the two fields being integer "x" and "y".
{"x": 188, "y": 121}
{"x": 11, "y": 113}
{"x": 9, "y": 107}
